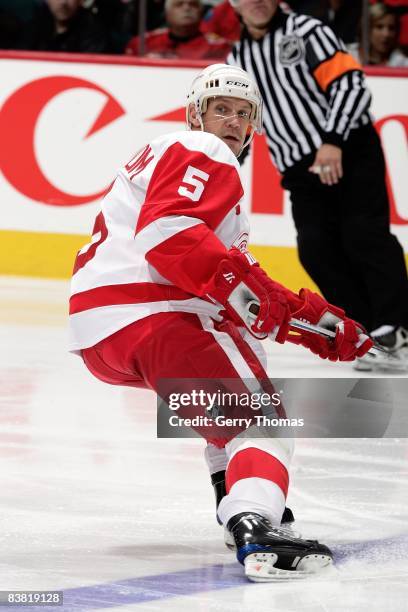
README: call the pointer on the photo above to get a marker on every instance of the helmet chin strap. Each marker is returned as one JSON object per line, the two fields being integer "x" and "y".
{"x": 248, "y": 140}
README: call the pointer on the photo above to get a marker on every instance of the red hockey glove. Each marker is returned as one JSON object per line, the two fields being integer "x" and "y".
{"x": 239, "y": 280}
{"x": 351, "y": 340}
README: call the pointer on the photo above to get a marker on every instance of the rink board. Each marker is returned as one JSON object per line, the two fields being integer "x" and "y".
{"x": 68, "y": 122}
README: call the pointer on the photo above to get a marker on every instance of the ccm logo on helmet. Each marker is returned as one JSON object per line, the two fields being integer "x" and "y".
{"x": 239, "y": 83}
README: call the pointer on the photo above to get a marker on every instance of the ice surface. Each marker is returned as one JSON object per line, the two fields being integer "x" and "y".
{"x": 94, "y": 504}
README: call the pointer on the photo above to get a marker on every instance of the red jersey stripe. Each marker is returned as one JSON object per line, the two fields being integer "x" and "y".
{"x": 132, "y": 293}
{"x": 256, "y": 463}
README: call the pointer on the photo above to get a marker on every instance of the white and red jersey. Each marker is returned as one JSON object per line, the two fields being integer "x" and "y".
{"x": 169, "y": 218}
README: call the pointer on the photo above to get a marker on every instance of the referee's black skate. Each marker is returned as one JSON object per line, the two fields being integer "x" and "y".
{"x": 394, "y": 354}
{"x": 269, "y": 553}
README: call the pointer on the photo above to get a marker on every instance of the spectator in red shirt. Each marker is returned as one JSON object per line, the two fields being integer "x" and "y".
{"x": 223, "y": 20}
{"x": 183, "y": 37}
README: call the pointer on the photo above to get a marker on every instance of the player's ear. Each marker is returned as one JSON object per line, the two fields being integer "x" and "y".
{"x": 192, "y": 115}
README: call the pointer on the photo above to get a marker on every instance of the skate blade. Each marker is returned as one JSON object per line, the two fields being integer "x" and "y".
{"x": 259, "y": 567}
{"x": 391, "y": 365}
{"x": 363, "y": 367}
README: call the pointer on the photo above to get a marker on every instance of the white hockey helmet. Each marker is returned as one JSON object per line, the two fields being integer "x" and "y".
{"x": 227, "y": 81}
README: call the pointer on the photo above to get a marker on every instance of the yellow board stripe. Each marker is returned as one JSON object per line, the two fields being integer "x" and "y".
{"x": 283, "y": 265}
{"x": 52, "y": 256}
{"x": 38, "y": 253}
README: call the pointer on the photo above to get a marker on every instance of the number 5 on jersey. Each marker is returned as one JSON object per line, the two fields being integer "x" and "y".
{"x": 197, "y": 179}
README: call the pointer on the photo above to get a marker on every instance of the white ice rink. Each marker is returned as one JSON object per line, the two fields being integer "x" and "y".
{"x": 92, "y": 503}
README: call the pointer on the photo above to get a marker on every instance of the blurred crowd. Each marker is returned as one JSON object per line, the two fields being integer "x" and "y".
{"x": 189, "y": 29}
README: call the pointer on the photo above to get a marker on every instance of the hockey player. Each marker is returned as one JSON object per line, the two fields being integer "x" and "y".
{"x": 162, "y": 291}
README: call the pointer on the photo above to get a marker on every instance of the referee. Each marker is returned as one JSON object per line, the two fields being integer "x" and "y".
{"x": 321, "y": 138}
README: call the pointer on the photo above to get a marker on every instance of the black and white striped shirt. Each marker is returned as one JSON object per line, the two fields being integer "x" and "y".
{"x": 313, "y": 91}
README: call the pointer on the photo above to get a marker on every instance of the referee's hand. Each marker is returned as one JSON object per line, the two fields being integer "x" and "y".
{"x": 328, "y": 164}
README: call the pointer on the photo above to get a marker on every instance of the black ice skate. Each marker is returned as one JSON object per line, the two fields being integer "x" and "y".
{"x": 395, "y": 357}
{"x": 269, "y": 553}
{"x": 218, "y": 482}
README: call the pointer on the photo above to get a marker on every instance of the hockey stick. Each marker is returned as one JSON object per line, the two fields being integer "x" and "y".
{"x": 253, "y": 308}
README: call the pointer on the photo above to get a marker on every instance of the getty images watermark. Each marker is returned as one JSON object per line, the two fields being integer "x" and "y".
{"x": 210, "y": 400}
{"x": 308, "y": 408}
{"x": 220, "y": 411}
{"x": 215, "y": 403}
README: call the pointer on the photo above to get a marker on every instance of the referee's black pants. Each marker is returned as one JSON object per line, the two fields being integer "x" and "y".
{"x": 344, "y": 238}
